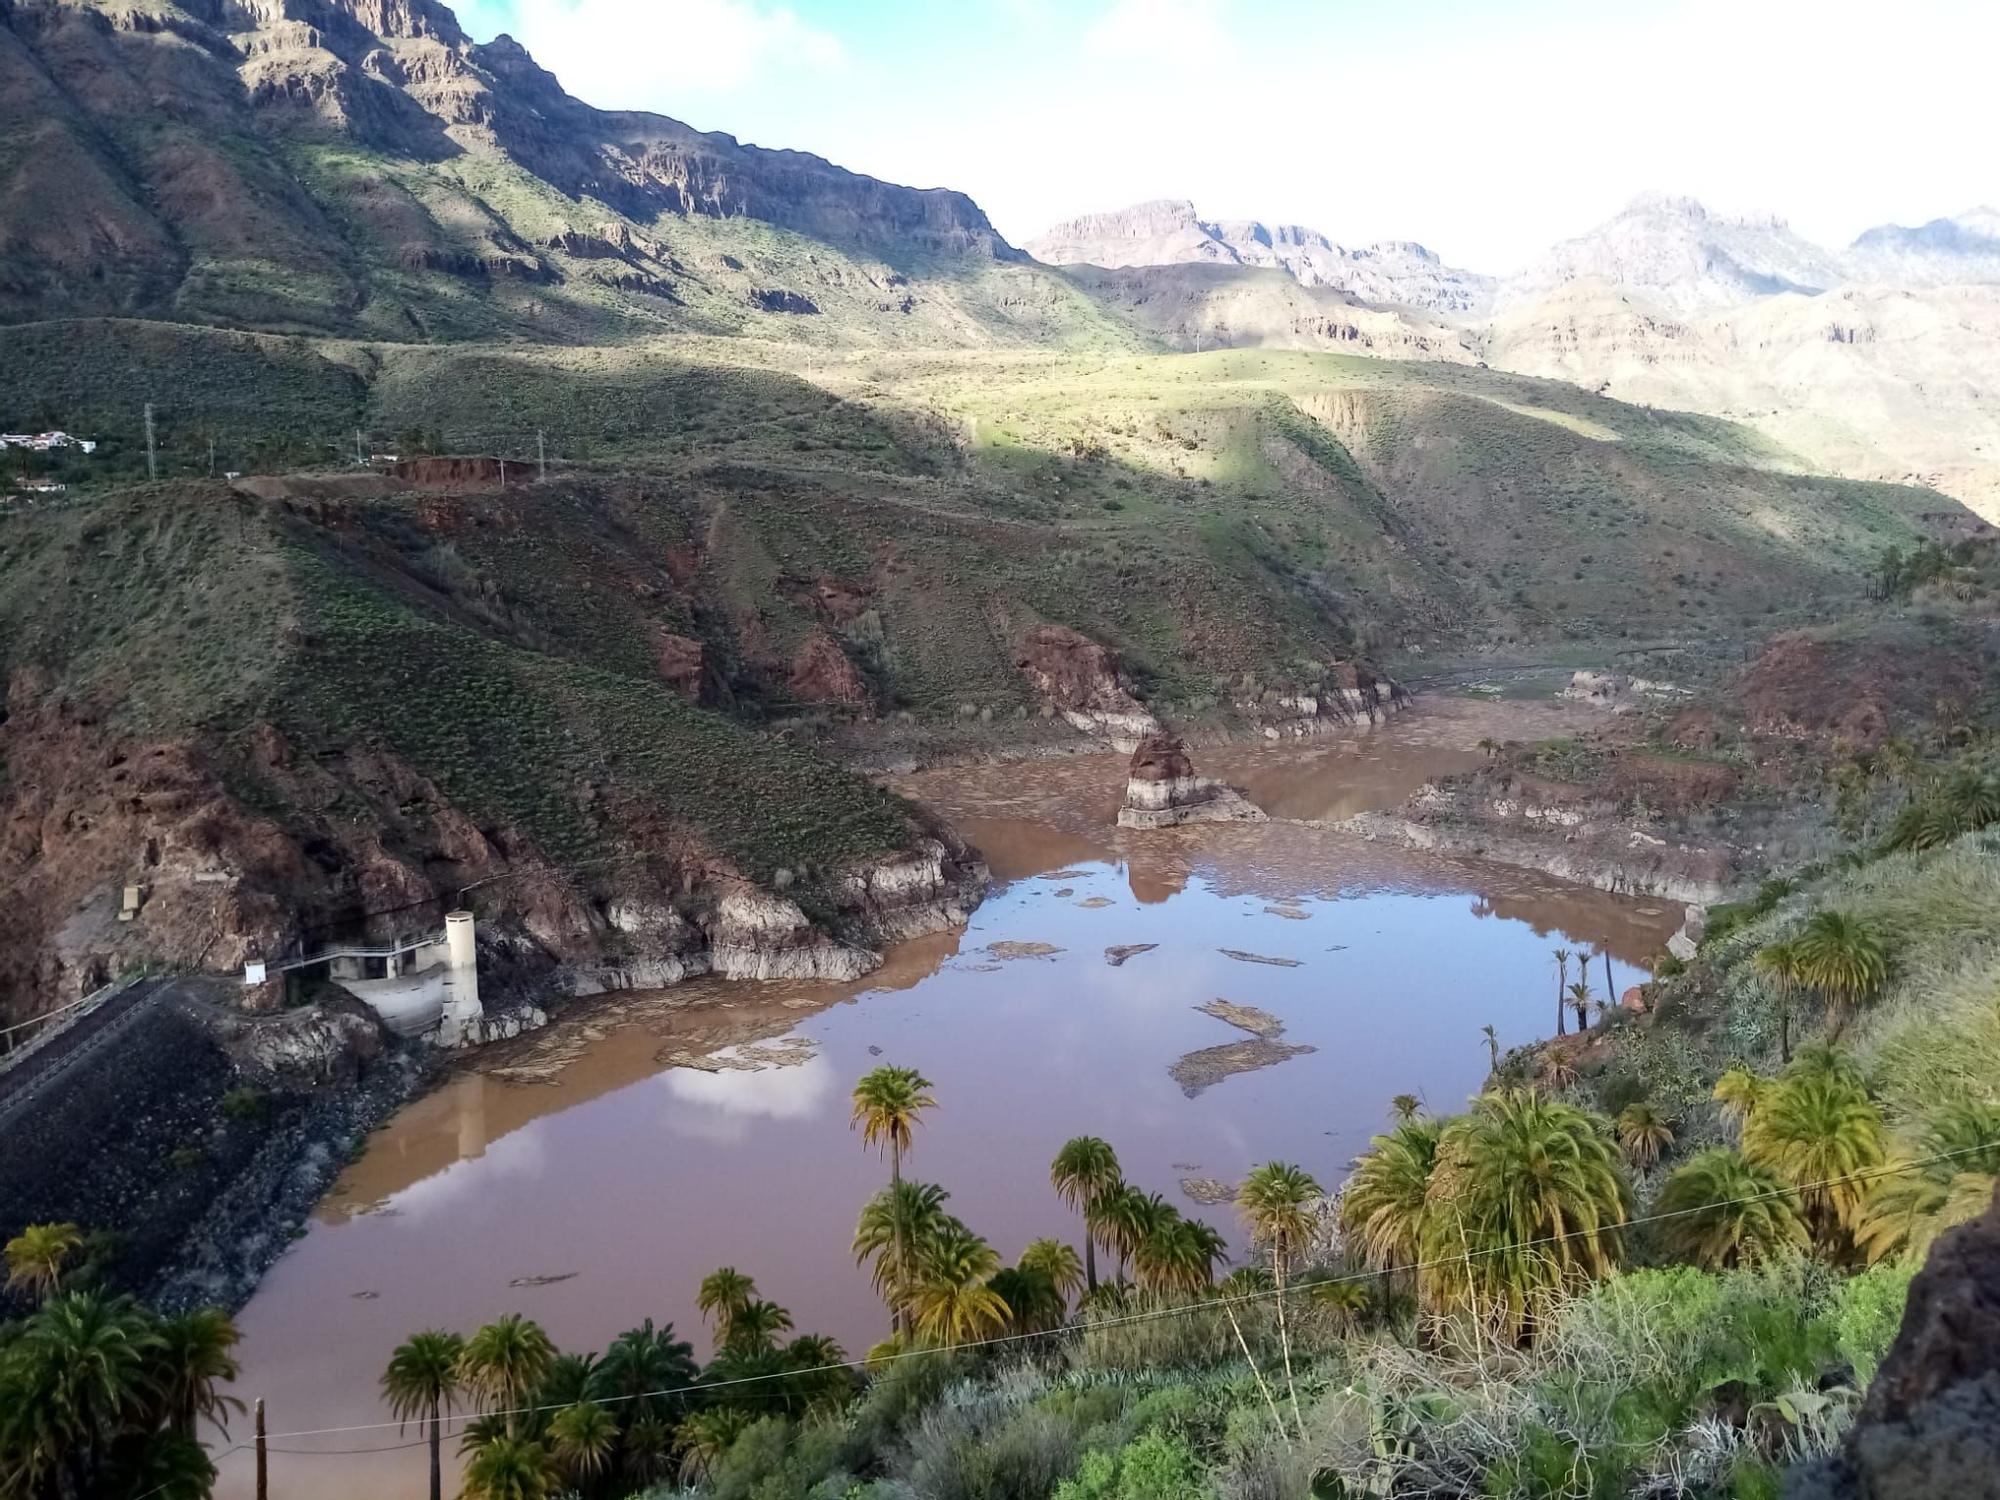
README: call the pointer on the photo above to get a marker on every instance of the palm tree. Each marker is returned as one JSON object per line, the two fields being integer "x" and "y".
{"x": 706, "y": 1436}
{"x": 1405, "y": 1107}
{"x": 1056, "y": 1261}
{"x": 421, "y": 1383}
{"x": 1033, "y": 1303}
{"x": 1818, "y": 1130}
{"x": 819, "y": 1371}
{"x": 649, "y": 1450}
{"x": 888, "y": 1104}
{"x": 1178, "y": 1257}
{"x": 1728, "y": 1212}
{"x": 1527, "y": 1202}
{"x": 1840, "y": 959}
{"x": 1382, "y": 1206}
{"x": 1643, "y": 1134}
{"x": 1563, "y": 956}
{"x": 582, "y": 1437}
{"x": 951, "y": 1302}
{"x": 1084, "y": 1172}
{"x": 638, "y": 1366}
{"x": 1124, "y": 1219}
{"x": 1909, "y": 1209}
{"x": 1346, "y": 1297}
{"x": 1579, "y": 998}
{"x": 76, "y": 1371}
{"x": 37, "y": 1256}
{"x": 503, "y": 1362}
{"x": 1274, "y": 1202}
{"x": 892, "y": 1230}
{"x": 508, "y": 1468}
{"x": 1492, "y": 1040}
{"x": 571, "y": 1378}
{"x": 755, "y": 1328}
{"x": 1779, "y": 964}
{"x": 190, "y": 1358}
{"x": 723, "y": 1294}
{"x": 1967, "y": 1134}
{"x": 1737, "y": 1091}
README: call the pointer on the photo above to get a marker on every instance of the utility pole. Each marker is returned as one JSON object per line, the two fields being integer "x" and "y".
{"x": 152, "y": 460}
{"x": 263, "y": 1469}
{"x": 541, "y": 455}
{"x": 211, "y": 455}
{"x": 359, "y": 460}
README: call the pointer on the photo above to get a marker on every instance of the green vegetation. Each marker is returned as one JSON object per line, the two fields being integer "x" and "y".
{"x": 1530, "y": 1298}
{"x": 100, "y": 1395}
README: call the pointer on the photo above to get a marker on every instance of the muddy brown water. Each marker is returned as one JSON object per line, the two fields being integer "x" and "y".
{"x": 591, "y": 1175}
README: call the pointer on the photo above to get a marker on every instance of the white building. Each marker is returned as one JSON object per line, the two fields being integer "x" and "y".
{"x": 46, "y": 442}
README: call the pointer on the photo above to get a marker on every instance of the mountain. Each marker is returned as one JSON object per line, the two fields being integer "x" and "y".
{"x": 1199, "y": 306}
{"x": 1959, "y": 250}
{"x": 1170, "y": 232}
{"x": 363, "y": 167}
{"x": 1871, "y": 382}
{"x": 1675, "y": 253}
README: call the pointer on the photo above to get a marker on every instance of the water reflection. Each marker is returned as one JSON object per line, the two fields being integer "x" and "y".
{"x": 723, "y": 1106}
{"x": 588, "y": 1176}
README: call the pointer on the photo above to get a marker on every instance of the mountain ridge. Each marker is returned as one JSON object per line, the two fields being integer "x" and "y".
{"x": 1171, "y": 231}
{"x": 362, "y": 166}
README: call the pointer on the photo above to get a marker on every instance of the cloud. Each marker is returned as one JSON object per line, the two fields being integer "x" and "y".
{"x": 625, "y": 54}
{"x": 723, "y": 1107}
{"x": 1170, "y": 33}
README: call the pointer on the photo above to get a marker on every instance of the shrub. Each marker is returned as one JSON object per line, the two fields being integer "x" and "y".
{"x": 1867, "y": 1312}
{"x": 1153, "y": 1466}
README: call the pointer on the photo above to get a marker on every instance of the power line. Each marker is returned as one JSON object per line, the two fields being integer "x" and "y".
{"x": 1890, "y": 1169}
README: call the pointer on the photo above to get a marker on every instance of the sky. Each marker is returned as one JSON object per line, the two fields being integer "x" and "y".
{"x": 1488, "y": 129}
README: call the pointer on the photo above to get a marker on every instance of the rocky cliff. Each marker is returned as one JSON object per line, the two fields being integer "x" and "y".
{"x": 275, "y": 735}
{"x": 1170, "y": 232}
{"x": 1931, "y": 1424}
{"x": 1676, "y": 253}
{"x": 1616, "y": 824}
{"x": 341, "y": 163}
{"x": 1952, "y": 251}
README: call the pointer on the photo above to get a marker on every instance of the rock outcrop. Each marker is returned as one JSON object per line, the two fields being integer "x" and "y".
{"x": 1170, "y": 232}
{"x": 1347, "y": 694}
{"x": 1931, "y": 1423}
{"x": 1162, "y": 790}
{"x": 1681, "y": 257}
{"x": 1085, "y": 682}
{"x": 752, "y": 933}
{"x": 1576, "y": 833}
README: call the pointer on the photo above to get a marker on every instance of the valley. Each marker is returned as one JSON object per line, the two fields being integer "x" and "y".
{"x": 465, "y": 1203}
{"x": 676, "y": 822}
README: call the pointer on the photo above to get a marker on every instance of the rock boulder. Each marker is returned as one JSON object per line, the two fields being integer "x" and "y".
{"x": 1162, "y": 790}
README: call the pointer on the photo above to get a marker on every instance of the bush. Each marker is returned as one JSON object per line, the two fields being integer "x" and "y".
{"x": 1153, "y": 1466}
{"x": 1867, "y": 1312}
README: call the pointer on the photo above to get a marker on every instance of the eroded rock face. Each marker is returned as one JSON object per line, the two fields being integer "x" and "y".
{"x": 1085, "y": 682}
{"x": 92, "y": 813}
{"x": 1348, "y": 694}
{"x": 1573, "y": 831}
{"x": 1162, "y": 790}
{"x": 1931, "y": 1424}
{"x": 822, "y": 673}
{"x": 1605, "y": 689}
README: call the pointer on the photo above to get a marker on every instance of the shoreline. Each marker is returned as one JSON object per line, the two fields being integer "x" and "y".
{"x": 256, "y": 1218}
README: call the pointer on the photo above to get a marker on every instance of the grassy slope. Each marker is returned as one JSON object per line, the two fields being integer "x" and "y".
{"x": 202, "y": 615}
{"x": 1415, "y": 504}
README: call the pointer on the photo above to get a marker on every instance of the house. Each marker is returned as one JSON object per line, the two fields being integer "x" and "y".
{"x": 45, "y": 442}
